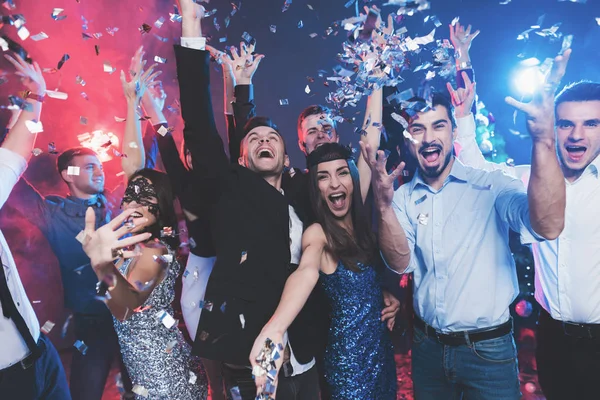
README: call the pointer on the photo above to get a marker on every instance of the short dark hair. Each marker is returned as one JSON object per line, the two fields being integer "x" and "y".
{"x": 255, "y": 122}
{"x": 438, "y": 99}
{"x": 578, "y": 91}
{"x": 66, "y": 157}
{"x": 315, "y": 109}
{"x": 166, "y": 209}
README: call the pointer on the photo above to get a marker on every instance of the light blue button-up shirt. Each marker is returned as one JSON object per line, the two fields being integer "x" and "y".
{"x": 464, "y": 272}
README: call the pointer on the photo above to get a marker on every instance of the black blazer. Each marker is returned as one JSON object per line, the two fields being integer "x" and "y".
{"x": 249, "y": 222}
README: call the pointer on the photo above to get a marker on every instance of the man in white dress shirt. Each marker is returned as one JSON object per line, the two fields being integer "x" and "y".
{"x": 567, "y": 269}
{"x": 30, "y": 367}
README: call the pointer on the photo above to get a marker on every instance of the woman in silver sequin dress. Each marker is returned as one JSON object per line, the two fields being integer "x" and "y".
{"x": 139, "y": 288}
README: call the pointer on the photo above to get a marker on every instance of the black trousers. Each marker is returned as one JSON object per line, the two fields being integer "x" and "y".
{"x": 302, "y": 387}
{"x": 568, "y": 367}
{"x": 90, "y": 371}
{"x": 45, "y": 379}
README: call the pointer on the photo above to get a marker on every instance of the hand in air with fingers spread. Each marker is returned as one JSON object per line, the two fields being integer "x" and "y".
{"x": 104, "y": 245}
{"x": 140, "y": 80}
{"x": 540, "y": 110}
{"x": 244, "y": 63}
{"x": 381, "y": 181}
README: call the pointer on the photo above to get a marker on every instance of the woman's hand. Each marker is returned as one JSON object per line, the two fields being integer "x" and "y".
{"x": 104, "y": 245}
{"x": 140, "y": 80}
{"x": 264, "y": 360}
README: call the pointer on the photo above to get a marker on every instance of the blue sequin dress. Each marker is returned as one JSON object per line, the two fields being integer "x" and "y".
{"x": 359, "y": 358}
{"x": 158, "y": 358}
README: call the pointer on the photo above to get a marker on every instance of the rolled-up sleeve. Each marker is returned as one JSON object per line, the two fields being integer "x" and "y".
{"x": 400, "y": 210}
{"x": 12, "y": 167}
{"x": 513, "y": 207}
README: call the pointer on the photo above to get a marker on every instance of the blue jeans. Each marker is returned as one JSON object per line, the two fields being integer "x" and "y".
{"x": 43, "y": 380}
{"x": 485, "y": 370}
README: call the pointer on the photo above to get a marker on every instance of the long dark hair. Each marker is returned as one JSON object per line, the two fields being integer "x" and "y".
{"x": 350, "y": 248}
{"x": 166, "y": 209}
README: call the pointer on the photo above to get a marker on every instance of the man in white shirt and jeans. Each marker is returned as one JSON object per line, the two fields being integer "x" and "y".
{"x": 567, "y": 269}
{"x": 30, "y": 367}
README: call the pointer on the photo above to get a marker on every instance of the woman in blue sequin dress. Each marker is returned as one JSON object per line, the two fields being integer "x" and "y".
{"x": 341, "y": 250}
{"x": 139, "y": 288}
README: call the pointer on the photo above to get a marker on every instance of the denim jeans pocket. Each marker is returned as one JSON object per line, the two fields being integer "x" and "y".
{"x": 498, "y": 350}
{"x": 418, "y": 336}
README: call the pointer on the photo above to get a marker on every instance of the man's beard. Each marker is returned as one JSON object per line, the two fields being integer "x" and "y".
{"x": 436, "y": 171}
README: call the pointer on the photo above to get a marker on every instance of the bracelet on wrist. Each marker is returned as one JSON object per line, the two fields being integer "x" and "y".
{"x": 463, "y": 65}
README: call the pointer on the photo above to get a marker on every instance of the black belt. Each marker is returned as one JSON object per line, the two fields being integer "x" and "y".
{"x": 28, "y": 361}
{"x": 576, "y": 330}
{"x": 464, "y": 337}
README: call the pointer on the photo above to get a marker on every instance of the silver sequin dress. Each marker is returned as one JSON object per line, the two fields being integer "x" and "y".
{"x": 159, "y": 359}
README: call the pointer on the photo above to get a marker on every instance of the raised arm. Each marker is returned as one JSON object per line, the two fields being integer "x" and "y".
{"x": 372, "y": 126}
{"x": 200, "y": 133}
{"x": 298, "y": 288}
{"x": 243, "y": 66}
{"x": 373, "y": 122}
{"x": 19, "y": 142}
{"x": 133, "y": 143}
{"x": 470, "y": 154}
{"x": 153, "y": 102}
{"x": 393, "y": 242}
{"x": 547, "y": 190}
{"x": 22, "y": 135}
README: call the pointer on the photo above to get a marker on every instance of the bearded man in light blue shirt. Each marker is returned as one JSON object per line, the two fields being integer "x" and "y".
{"x": 449, "y": 226}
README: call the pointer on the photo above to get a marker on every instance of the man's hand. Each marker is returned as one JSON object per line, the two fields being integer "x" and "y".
{"x": 392, "y": 306}
{"x": 243, "y": 64}
{"x": 140, "y": 80}
{"x": 382, "y": 182}
{"x": 153, "y": 102}
{"x": 31, "y": 74}
{"x": 103, "y": 246}
{"x": 462, "y": 98}
{"x": 461, "y": 40}
{"x": 540, "y": 110}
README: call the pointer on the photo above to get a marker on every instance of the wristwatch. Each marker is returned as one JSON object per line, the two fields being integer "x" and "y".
{"x": 33, "y": 96}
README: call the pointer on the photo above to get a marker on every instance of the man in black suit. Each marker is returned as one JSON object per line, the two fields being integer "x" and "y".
{"x": 251, "y": 221}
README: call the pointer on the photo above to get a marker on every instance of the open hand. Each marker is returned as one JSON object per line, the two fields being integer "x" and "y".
{"x": 462, "y": 98}
{"x": 540, "y": 110}
{"x": 140, "y": 80}
{"x": 243, "y": 64}
{"x": 381, "y": 181}
{"x": 103, "y": 246}
{"x": 31, "y": 74}
{"x": 154, "y": 98}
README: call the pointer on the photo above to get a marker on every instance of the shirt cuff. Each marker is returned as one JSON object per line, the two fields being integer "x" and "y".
{"x": 161, "y": 128}
{"x": 196, "y": 43}
{"x": 408, "y": 269}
